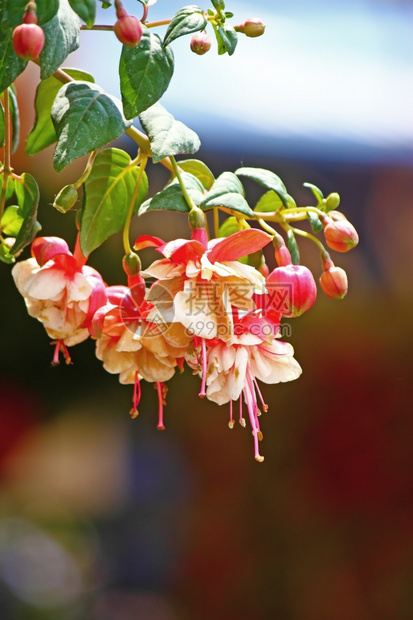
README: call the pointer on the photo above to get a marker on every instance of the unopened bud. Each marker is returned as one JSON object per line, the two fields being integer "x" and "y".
{"x": 282, "y": 256}
{"x": 336, "y": 215}
{"x": 28, "y": 41}
{"x": 196, "y": 218}
{"x": 332, "y": 201}
{"x": 254, "y": 27}
{"x": 295, "y": 290}
{"x": 340, "y": 235}
{"x": 128, "y": 29}
{"x": 334, "y": 282}
{"x": 200, "y": 43}
{"x": 131, "y": 264}
{"x": 66, "y": 198}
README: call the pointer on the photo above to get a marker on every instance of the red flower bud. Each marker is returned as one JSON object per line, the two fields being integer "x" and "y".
{"x": 254, "y": 27}
{"x": 200, "y": 43}
{"x": 283, "y": 256}
{"x": 340, "y": 235}
{"x": 28, "y": 41}
{"x": 291, "y": 290}
{"x": 128, "y": 29}
{"x": 334, "y": 282}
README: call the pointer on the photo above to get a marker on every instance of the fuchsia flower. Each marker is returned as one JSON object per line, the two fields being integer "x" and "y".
{"x": 135, "y": 348}
{"x": 60, "y": 291}
{"x": 230, "y": 369}
{"x": 199, "y": 282}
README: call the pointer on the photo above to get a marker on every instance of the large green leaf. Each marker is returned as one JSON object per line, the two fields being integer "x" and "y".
{"x": 199, "y": 170}
{"x": 43, "y": 133}
{"x": 86, "y": 9}
{"x": 85, "y": 118}
{"x": 10, "y": 185}
{"x": 11, "y": 221}
{"x": 228, "y": 192}
{"x": 187, "y": 20}
{"x": 145, "y": 72}
{"x": 168, "y": 136}
{"x": 108, "y": 192}
{"x": 269, "y": 202}
{"x": 172, "y": 199}
{"x": 268, "y": 179}
{"x": 28, "y": 194}
{"x": 62, "y": 38}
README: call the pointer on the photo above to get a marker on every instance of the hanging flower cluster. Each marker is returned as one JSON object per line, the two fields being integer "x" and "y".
{"x": 210, "y": 302}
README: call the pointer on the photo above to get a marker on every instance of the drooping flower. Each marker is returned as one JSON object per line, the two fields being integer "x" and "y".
{"x": 133, "y": 347}
{"x": 60, "y": 291}
{"x": 199, "y": 281}
{"x": 230, "y": 369}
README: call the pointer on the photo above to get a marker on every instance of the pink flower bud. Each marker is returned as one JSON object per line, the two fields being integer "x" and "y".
{"x": 28, "y": 41}
{"x": 340, "y": 235}
{"x": 291, "y": 290}
{"x": 334, "y": 282}
{"x": 283, "y": 256}
{"x": 254, "y": 27}
{"x": 128, "y": 29}
{"x": 200, "y": 43}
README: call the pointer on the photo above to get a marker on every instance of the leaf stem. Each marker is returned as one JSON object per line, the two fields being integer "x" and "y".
{"x": 267, "y": 227}
{"x": 126, "y": 228}
{"x": 177, "y": 172}
{"x": 216, "y": 221}
{"x": 7, "y": 170}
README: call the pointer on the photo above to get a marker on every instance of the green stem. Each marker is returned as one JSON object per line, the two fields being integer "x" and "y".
{"x": 96, "y": 27}
{"x": 7, "y": 170}
{"x": 87, "y": 170}
{"x": 303, "y": 233}
{"x": 126, "y": 228}
{"x": 270, "y": 230}
{"x": 139, "y": 138}
{"x": 177, "y": 172}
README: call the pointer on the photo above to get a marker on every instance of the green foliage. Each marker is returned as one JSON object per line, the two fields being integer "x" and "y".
{"x": 186, "y": 21}
{"x": 172, "y": 199}
{"x": 199, "y": 170}
{"x": 15, "y": 119}
{"x": 85, "y": 118}
{"x": 12, "y": 11}
{"x": 43, "y": 133}
{"x": 145, "y": 72}
{"x": 228, "y": 192}
{"x": 268, "y": 179}
{"x": 86, "y": 9}
{"x": 62, "y": 38}
{"x": 27, "y": 194}
{"x": 269, "y": 202}
{"x": 227, "y": 39}
{"x": 293, "y": 247}
{"x": 167, "y": 136}
{"x": 107, "y": 195}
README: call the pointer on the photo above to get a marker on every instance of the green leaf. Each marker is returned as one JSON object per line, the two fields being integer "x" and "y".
{"x": 85, "y": 118}
{"x": 12, "y": 221}
{"x": 227, "y": 39}
{"x": 269, "y": 202}
{"x": 15, "y": 119}
{"x": 27, "y": 193}
{"x": 315, "y": 221}
{"x": 268, "y": 179}
{"x": 108, "y": 192}
{"x": 199, "y": 170}
{"x": 172, "y": 199}
{"x": 1, "y": 124}
{"x": 86, "y": 9}
{"x": 218, "y": 4}
{"x": 228, "y": 192}
{"x": 167, "y": 136}
{"x": 293, "y": 247}
{"x": 62, "y": 38}
{"x": 187, "y": 20}
{"x": 231, "y": 225}
{"x": 5, "y": 255}
{"x": 148, "y": 2}
{"x": 145, "y": 72}
{"x": 10, "y": 186}
{"x": 43, "y": 133}
{"x": 316, "y": 191}
{"x": 12, "y": 11}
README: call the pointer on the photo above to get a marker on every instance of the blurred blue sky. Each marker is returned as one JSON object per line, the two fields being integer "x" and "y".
{"x": 328, "y": 78}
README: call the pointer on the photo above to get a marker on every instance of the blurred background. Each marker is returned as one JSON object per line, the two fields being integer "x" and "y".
{"x": 105, "y": 518}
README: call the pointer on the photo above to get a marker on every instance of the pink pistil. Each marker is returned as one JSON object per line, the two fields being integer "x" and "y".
{"x": 202, "y": 393}
{"x": 136, "y": 396}
{"x": 161, "y": 389}
{"x": 264, "y": 404}
{"x": 252, "y": 411}
{"x": 60, "y": 347}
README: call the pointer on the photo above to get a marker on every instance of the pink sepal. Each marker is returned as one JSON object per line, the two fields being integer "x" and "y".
{"x": 239, "y": 244}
